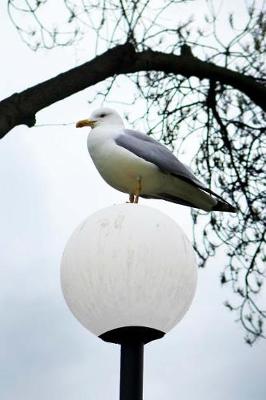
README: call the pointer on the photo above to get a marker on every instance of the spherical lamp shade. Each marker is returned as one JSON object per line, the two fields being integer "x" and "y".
{"x": 128, "y": 266}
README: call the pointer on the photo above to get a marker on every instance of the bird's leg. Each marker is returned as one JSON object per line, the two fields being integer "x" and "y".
{"x": 131, "y": 198}
{"x": 138, "y": 190}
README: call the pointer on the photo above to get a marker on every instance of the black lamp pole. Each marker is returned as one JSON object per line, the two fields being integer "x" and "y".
{"x": 131, "y": 371}
{"x": 132, "y": 340}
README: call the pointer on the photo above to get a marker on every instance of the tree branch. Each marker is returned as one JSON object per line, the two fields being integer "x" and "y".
{"x": 188, "y": 66}
{"x": 20, "y": 108}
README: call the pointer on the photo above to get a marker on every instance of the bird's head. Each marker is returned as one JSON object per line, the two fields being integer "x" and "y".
{"x": 101, "y": 117}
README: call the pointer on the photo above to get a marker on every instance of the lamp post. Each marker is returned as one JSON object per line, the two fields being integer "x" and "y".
{"x": 129, "y": 274}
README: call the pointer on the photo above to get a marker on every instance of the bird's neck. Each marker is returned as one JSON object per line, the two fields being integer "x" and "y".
{"x": 109, "y": 125}
{"x": 102, "y": 133}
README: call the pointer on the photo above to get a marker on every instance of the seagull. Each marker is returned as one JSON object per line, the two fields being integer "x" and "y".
{"x": 135, "y": 163}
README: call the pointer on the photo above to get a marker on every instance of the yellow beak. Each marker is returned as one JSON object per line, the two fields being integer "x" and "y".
{"x": 85, "y": 122}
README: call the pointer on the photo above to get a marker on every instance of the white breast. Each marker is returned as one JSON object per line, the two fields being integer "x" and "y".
{"x": 118, "y": 166}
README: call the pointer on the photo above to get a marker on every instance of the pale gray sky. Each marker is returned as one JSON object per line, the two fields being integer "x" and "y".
{"x": 48, "y": 186}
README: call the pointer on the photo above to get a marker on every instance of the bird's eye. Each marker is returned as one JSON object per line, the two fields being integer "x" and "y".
{"x": 102, "y": 115}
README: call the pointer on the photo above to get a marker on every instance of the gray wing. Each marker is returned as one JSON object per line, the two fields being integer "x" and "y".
{"x": 150, "y": 150}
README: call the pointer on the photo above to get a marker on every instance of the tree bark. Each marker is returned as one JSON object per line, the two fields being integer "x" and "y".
{"x": 21, "y": 108}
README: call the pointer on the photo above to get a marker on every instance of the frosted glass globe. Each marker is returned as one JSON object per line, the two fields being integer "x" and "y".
{"x": 128, "y": 265}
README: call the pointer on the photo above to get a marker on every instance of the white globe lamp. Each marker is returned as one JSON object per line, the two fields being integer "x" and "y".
{"x": 129, "y": 275}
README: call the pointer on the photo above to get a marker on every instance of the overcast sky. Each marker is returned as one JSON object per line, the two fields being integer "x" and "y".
{"x": 48, "y": 186}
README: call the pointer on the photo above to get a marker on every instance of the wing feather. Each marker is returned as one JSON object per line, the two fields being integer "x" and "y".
{"x": 152, "y": 151}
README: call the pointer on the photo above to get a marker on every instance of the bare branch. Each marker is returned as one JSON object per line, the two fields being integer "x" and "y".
{"x": 21, "y": 108}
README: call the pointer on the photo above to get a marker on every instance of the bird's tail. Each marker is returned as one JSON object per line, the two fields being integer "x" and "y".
{"x": 224, "y": 206}
{"x": 221, "y": 205}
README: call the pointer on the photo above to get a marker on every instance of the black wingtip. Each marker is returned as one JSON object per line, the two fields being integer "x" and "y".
{"x": 224, "y": 207}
